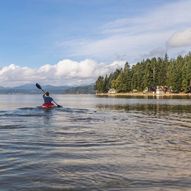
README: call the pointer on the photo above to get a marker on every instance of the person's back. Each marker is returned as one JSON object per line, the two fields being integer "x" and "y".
{"x": 47, "y": 98}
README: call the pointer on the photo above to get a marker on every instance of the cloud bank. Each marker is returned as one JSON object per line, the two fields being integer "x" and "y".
{"x": 180, "y": 39}
{"x": 65, "y": 72}
{"x": 134, "y": 37}
{"x": 153, "y": 33}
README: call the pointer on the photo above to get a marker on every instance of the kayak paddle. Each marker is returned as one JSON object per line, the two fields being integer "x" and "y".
{"x": 39, "y": 87}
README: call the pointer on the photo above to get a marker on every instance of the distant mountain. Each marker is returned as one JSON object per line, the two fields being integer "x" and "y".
{"x": 32, "y": 89}
{"x": 27, "y": 88}
{"x": 1, "y": 87}
{"x": 89, "y": 89}
{"x": 55, "y": 89}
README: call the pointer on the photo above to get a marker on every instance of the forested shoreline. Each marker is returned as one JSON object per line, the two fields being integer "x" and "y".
{"x": 173, "y": 74}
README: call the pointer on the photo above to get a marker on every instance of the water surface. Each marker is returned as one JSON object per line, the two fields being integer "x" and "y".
{"x": 95, "y": 143}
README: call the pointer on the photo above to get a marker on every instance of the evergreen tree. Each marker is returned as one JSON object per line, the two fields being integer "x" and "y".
{"x": 186, "y": 74}
{"x": 150, "y": 73}
{"x": 100, "y": 84}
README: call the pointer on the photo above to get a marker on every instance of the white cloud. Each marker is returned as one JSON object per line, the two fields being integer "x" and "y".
{"x": 65, "y": 72}
{"x": 180, "y": 39}
{"x": 131, "y": 39}
{"x": 136, "y": 36}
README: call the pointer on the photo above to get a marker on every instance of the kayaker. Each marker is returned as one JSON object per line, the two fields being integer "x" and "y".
{"x": 48, "y": 100}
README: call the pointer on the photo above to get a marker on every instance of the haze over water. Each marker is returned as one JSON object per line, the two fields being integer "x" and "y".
{"x": 95, "y": 143}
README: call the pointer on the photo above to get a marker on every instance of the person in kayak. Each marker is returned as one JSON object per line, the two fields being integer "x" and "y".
{"x": 48, "y": 100}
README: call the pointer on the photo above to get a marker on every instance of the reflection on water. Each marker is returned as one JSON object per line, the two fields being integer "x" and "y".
{"x": 96, "y": 144}
{"x": 147, "y": 108}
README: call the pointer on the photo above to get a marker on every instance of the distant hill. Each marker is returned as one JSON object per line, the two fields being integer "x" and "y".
{"x": 32, "y": 89}
{"x": 89, "y": 89}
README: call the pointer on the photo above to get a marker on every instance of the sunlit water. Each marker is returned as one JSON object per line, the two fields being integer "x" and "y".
{"x": 95, "y": 144}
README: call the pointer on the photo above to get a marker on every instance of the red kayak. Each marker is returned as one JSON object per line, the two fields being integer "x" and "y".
{"x": 48, "y": 105}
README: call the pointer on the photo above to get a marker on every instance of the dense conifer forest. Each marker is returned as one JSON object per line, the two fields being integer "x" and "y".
{"x": 174, "y": 74}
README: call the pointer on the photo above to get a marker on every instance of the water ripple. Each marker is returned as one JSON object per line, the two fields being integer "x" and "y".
{"x": 109, "y": 147}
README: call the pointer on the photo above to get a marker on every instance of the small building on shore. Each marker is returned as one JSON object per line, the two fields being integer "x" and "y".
{"x": 159, "y": 90}
{"x": 112, "y": 91}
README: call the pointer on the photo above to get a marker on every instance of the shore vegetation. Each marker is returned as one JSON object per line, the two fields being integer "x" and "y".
{"x": 162, "y": 75}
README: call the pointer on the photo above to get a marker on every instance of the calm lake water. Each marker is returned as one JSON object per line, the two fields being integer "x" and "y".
{"x": 95, "y": 143}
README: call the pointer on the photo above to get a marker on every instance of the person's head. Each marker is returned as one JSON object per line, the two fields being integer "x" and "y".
{"x": 47, "y": 93}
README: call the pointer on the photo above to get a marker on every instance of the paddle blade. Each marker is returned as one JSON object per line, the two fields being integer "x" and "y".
{"x": 59, "y": 106}
{"x": 38, "y": 86}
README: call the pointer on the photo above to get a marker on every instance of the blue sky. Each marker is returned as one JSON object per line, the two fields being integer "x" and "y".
{"x": 65, "y": 34}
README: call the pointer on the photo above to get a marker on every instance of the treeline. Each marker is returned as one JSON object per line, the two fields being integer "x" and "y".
{"x": 150, "y": 73}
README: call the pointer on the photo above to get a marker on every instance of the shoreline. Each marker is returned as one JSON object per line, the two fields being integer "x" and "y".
{"x": 144, "y": 94}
